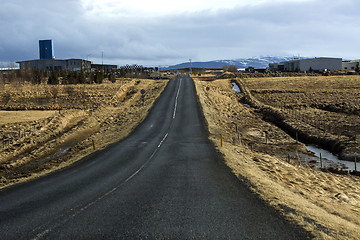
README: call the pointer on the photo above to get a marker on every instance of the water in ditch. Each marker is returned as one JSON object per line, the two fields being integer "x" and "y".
{"x": 330, "y": 159}
{"x": 237, "y": 90}
{"x": 236, "y": 87}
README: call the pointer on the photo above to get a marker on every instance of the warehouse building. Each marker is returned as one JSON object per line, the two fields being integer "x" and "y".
{"x": 310, "y": 64}
{"x": 72, "y": 65}
{"x": 350, "y": 65}
{"x": 47, "y": 61}
{"x": 104, "y": 67}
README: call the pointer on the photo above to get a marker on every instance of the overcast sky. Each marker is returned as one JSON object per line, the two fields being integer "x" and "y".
{"x": 163, "y": 32}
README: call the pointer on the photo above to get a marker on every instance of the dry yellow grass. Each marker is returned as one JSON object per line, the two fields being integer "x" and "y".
{"x": 112, "y": 119}
{"x": 305, "y": 83}
{"x": 26, "y": 96}
{"x": 23, "y": 116}
{"x": 326, "y": 204}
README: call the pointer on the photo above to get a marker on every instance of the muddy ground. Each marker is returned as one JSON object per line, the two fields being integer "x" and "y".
{"x": 256, "y": 150}
{"x": 86, "y": 118}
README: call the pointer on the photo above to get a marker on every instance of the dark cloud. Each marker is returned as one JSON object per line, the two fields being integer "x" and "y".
{"x": 310, "y": 28}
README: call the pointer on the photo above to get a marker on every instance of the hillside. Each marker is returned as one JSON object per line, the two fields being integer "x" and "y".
{"x": 257, "y": 62}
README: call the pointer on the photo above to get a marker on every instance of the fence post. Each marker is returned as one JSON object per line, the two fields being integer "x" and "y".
{"x": 93, "y": 143}
{"x": 355, "y": 164}
{"x": 321, "y": 161}
{"x": 298, "y": 157}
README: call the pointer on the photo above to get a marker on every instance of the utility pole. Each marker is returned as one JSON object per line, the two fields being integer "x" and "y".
{"x": 190, "y": 70}
{"x": 159, "y": 72}
{"x": 102, "y": 60}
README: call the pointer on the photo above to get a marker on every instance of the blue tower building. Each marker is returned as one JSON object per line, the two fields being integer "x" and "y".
{"x": 45, "y": 48}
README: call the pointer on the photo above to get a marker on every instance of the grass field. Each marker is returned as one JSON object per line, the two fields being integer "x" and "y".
{"x": 337, "y": 93}
{"x": 23, "y": 116}
{"x": 54, "y": 97}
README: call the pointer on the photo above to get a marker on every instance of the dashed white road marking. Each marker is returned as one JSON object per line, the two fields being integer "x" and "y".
{"x": 64, "y": 218}
{"x": 176, "y": 99}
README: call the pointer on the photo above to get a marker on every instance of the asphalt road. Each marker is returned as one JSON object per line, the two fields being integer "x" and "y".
{"x": 165, "y": 181}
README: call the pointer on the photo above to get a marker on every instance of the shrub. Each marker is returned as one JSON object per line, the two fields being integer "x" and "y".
{"x": 231, "y": 68}
{"x": 99, "y": 76}
{"x": 36, "y": 77}
{"x": 53, "y": 78}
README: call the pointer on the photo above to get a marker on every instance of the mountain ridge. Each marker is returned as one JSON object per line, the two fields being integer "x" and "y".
{"x": 256, "y": 62}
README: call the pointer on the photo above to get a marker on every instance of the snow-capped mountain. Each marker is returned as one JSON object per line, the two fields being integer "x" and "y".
{"x": 257, "y": 62}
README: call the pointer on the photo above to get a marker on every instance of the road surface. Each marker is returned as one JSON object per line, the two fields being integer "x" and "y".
{"x": 165, "y": 181}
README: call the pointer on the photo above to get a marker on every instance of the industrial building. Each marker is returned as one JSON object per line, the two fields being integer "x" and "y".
{"x": 46, "y": 49}
{"x": 351, "y": 65}
{"x": 310, "y": 64}
{"x": 47, "y": 61}
{"x": 72, "y": 65}
{"x": 104, "y": 67}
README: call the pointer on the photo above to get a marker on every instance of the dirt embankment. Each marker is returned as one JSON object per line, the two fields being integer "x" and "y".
{"x": 293, "y": 123}
{"x": 321, "y": 110}
{"x": 109, "y": 113}
{"x": 326, "y": 204}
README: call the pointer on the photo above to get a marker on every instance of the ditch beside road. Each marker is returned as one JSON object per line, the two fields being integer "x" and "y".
{"x": 324, "y": 203}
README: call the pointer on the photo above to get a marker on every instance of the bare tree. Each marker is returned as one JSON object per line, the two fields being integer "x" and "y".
{"x": 232, "y": 68}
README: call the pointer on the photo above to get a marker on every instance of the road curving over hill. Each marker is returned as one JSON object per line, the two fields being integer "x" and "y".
{"x": 165, "y": 181}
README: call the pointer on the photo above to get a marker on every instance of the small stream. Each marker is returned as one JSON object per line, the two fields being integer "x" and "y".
{"x": 237, "y": 90}
{"x": 236, "y": 87}
{"x": 330, "y": 159}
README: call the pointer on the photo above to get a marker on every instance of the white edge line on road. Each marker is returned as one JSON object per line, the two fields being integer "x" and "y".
{"x": 176, "y": 99}
{"x": 49, "y": 229}
{"x": 81, "y": 209}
